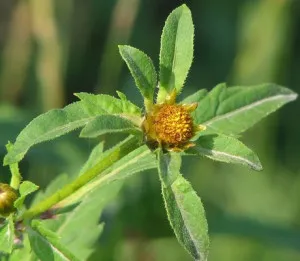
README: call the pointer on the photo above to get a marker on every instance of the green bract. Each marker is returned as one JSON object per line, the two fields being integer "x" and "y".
{"x": 225, "y": 112}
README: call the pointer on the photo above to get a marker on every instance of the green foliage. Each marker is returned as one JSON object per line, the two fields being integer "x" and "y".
{"x": 185, "y": 210}
{"x": 108, "y": 124}
{"x": 25, "y": 189}
{"x": 72, "y": 207}
{"x": 7, "y": 233}
{"x": 142, "y": 70}
{"x": 46, "y": 127}
{"x": 104, "y": 104}
{"x": 176, "y": 51}
{"x": 234, "y": 110}
{"x": 226, "y": 149}
{"x": 195, "y": 97}
{"x": 46, "y": 244}
{"x": 137, "y": 161}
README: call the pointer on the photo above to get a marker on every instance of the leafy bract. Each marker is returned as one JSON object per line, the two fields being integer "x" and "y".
{"x": 25, "y": 189}
{"x": 46, "y": 127}
{"x": 7, "y": 233}
{"x": 106, "y": 123}
{"x": 176, "y": 51}
{"x": 142, "y": 70}
{"x": 97, "y": 104}
{"x": 184, "y": 208}
{"x": 46, "y": 244}
{"x": 226, "y": 149}
{"x": 234, "y": 110}
{"x": 195, "y": 97}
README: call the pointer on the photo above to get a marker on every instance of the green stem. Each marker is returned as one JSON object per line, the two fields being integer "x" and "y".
{"x": 110, "y": 157}
{"x": 15, "y": 176}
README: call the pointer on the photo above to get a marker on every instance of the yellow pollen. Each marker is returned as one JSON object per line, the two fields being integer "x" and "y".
{"x": 173, "y": 125}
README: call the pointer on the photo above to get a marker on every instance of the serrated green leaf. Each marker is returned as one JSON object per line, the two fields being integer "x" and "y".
{"x": 25, "y": 189}
{"x": 46, "y": 127}
{"x": 195, "y": 97}
{"x": 70, "y": 225}
{"x": 142, "y": 70}
{"x": 108, "y": 124}
{"x": 226, "y": 149}
{"x": 138, "y": 160}
{"x": 168, "y": 166}
{"x": 184, "y": 208}
{"x": 97, "y": 104}
{"x": 84, "y": 219}
{"x": 176, "y": 51}
{"x": 7, "y": 234}
{"x": 46, "y": 244}
{"x": 234, "y": 110}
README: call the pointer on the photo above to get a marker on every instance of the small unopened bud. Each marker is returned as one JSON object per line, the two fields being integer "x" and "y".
{"x": 8, "y": 196}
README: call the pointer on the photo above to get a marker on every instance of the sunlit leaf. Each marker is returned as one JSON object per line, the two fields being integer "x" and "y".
{"x": 25, "y": 189}
{"x": 137, "y": 161}
{"x": 84, "y": 219}
{"x": 234, "y": 110}
{"x": 48, "y": 126}
{"x": 176, "y": 51}
{"x": 142, "y": 70}
{"x": 108, "y": 124}
{"x": 226, "y": 149}
{"x": 46, "y": 244}
{"x": 184, "y": 208}
{"x": 97, "y": 104}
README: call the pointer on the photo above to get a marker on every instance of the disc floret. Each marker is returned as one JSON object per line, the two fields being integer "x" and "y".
{"x": 171, "y": 125}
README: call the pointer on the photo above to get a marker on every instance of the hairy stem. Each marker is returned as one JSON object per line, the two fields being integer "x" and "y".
{"x": 111, "y": 157}
{"x": 16, "y": 176}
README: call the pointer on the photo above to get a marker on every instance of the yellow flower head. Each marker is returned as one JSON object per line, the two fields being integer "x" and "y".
{"x": 170, "y": 125}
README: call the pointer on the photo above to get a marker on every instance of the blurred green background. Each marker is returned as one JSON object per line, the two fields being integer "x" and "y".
{"x": 51, "y": 49}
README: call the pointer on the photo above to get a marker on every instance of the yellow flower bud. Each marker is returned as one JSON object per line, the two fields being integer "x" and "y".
{"x": 8, "y": 196}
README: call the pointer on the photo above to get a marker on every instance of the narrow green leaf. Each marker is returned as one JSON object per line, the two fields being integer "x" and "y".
{"x": 84, "y": 219}
{"x": 142, "y": 70}
{"x": 234, "y": 110}
{"x": 168, "y": 166}
{"x": 7, "y": 234}
{"x": 226, "y": 149}
{"x": 46, "y": 245}
{"x": 92, "y": 201}
{"x": 137, "y": 161}
{"x": 195, "y": 97}
{"x": 97, "y": 104}
{"x": 184, "y": 208}
{"x": 46, "y": 127}
{"x": 103, "y": 124}
{"x": 25, "y": 189}
{"x": 176, "y": 51}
